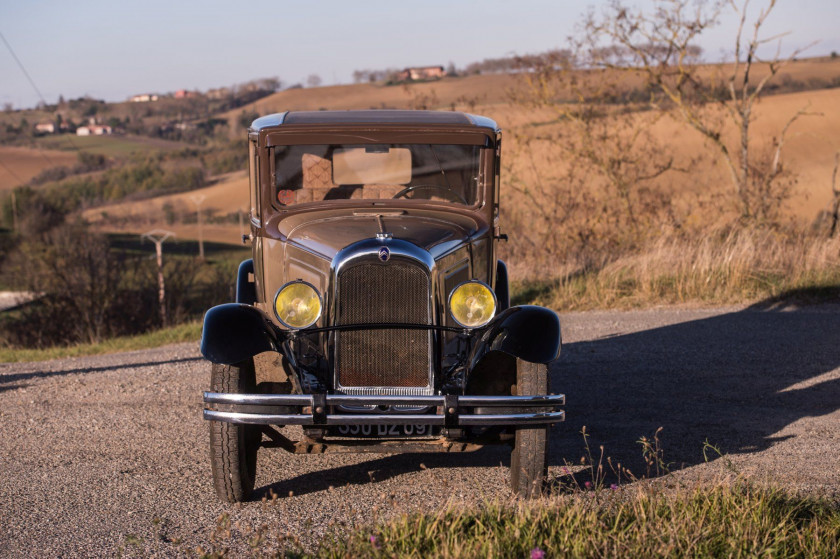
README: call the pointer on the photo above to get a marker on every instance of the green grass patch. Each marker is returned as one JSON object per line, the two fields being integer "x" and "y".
{"x": 213, "y": 251}
{"x": 109, "y": 146}
{"x": 188, "y": 332}
{"x": 739, "y": 520}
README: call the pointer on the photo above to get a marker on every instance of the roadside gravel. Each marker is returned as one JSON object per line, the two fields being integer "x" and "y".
{"x": 109, "y": 454}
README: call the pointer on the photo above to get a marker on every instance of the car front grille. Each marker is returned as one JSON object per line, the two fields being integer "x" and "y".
{"x": 396, "y": 358}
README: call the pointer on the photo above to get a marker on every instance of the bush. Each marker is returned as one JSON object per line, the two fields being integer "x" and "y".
{"x": 141, "y": 180}
{"x": 231, "y": 157}
{"x": 35, "y": 211}
{"x": 88, "y": 162}
{"x": 83, "y": 284}
{"x": 90, "y": 292}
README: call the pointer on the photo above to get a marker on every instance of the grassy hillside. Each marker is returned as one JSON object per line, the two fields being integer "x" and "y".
{"x": 227, "y": 196}
{"x": 483, "y": 90}
{"x": 109, "y": 146}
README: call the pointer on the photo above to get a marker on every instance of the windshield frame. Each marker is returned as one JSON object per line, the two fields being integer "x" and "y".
{"x": 476, "y": 160}
{"x": 332, "y": 135}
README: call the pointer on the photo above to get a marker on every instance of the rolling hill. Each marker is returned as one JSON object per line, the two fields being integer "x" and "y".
{"x": 809, "y": 151}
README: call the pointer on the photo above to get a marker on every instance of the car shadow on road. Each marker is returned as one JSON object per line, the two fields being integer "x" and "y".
{"x": 382, "y": 469}
{"x": 735, "y": 380}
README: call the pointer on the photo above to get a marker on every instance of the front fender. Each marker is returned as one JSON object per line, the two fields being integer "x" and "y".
{"x": 528, "y": 332}
{"x": 234, "y": 332}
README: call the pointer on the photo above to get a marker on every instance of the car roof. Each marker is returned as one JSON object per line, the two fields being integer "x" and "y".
{"x": 379, "y": 117}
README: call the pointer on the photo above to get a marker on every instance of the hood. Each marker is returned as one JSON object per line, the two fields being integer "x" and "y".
{"x": 327, "y": 232}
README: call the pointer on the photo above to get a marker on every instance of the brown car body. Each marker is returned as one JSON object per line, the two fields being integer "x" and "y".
{"x": 385, "y": 353}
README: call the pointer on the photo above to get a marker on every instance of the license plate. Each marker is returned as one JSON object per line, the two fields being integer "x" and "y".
{"x": 383, "y": 430}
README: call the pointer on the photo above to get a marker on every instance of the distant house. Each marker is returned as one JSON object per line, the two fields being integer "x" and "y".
{"x": 45, "y": 128}
{"x": 219, "y": 93}
{"x": 184, "y": 94}
{"x": 93, "y": 130}
{"x": 421, "y": 73}
{"x": 143, "y": 98}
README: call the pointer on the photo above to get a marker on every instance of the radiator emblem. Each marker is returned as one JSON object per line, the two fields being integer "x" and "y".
{"x": 384, "y": 254}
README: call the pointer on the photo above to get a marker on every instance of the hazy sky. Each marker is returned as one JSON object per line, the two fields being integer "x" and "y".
{"x": 111, "y": 49}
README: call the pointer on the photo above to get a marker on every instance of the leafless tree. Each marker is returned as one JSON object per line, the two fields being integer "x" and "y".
{"x": 597, "y": 139}
{"x": 77, "y": 275}
{"x": 835, "y": 203}
{"x": 313, "y": 80}
{"x": 659, "y": 45}
{"x": 360, "y": 76}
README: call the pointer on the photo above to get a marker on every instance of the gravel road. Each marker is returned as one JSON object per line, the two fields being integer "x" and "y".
{"x": 109, "y": 454}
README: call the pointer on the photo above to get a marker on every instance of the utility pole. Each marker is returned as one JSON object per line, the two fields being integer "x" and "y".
{"x": 158, "y": 236}
{"x": 835, "y": 210}
{"x": 14, "y": 213}
{"x": 198, "y": 199}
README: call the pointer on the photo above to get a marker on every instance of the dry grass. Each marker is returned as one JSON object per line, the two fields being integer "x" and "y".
{"x": 737, "y": 267}
{"x": 486, "y": 90}
{"x": 723, "y": 521}
{"x": 701, "y": 180}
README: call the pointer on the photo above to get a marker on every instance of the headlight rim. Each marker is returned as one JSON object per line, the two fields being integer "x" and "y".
{"x": 317, "y": 294}
{"x": 492, "y": 294}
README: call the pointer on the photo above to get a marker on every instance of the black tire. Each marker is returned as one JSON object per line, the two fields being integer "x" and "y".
{"x": 529, "y": 457}
{"x": 233, "y": 448}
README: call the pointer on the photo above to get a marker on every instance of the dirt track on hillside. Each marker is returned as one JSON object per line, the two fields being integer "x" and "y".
{"x": 106, "y": 453}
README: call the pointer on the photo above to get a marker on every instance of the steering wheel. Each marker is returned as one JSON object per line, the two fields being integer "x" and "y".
{"x": 454, "y": 195}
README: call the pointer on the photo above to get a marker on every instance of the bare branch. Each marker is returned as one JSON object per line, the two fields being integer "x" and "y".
{"x": 835, "y": 210}
{"x": 774, "y": 165}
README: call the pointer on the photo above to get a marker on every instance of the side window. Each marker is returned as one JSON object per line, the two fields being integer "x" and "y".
{"x": 254, "y": 164}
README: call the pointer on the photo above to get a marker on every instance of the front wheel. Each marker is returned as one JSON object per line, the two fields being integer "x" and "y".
{"x": 529, "y": 458}
{"x": 233, "y": 448}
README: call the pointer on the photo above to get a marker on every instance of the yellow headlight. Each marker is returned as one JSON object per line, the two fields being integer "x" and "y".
{"x": 472, "y": 304}
{"x": 297, "y": 305}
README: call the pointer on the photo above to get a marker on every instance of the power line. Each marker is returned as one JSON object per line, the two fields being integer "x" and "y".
{"x": 22, "y": 68}
{"x": 35, "y": 87}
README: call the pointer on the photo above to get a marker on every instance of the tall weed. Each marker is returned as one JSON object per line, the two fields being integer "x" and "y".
{"x": 736, "y": 266}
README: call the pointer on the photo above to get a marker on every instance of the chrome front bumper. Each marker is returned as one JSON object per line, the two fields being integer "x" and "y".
{"x": 449, "y": 411}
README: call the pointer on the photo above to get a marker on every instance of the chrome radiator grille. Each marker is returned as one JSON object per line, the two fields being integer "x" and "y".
{"x": 396, "y": 292}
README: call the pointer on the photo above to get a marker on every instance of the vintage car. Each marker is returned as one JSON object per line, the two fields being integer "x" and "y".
{"x": 374, "y": 312}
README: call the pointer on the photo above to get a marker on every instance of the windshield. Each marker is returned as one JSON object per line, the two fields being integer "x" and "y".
{"x": 311, "y": 173}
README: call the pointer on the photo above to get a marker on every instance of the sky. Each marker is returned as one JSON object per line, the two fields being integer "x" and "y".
{"x": 112, "y": 49}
